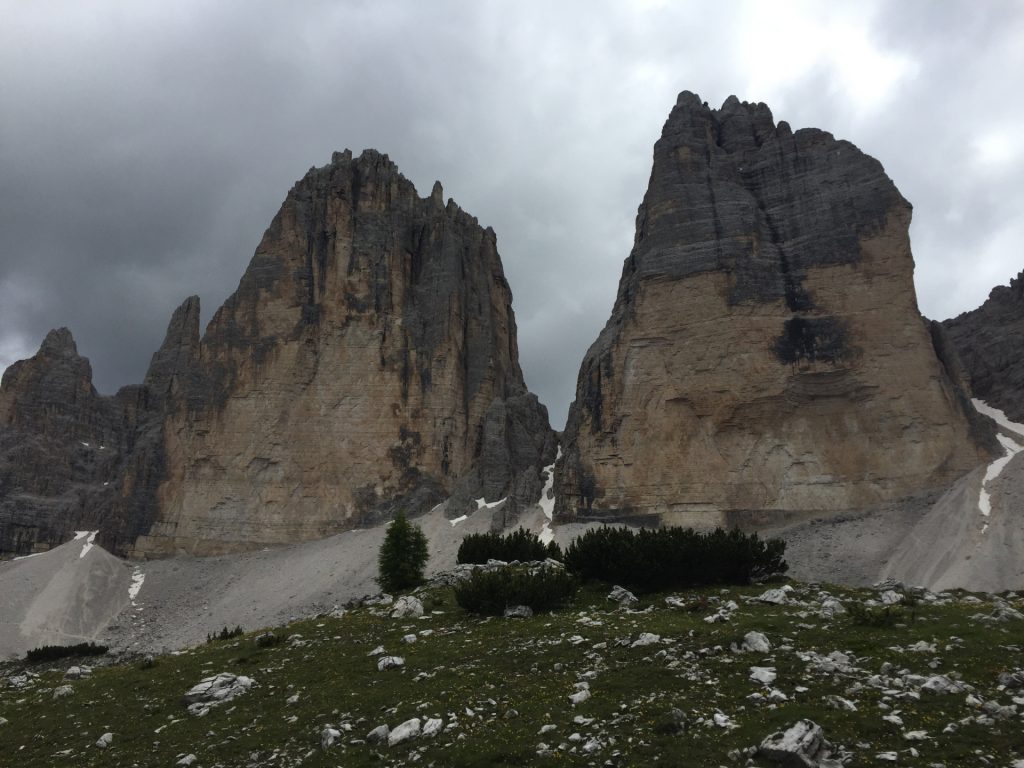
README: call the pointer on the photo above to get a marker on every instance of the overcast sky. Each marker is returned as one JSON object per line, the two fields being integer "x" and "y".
{"x": 144, "y": 147}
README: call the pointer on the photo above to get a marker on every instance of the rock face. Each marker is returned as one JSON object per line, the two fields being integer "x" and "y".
{"x": 990, "y": 343}
{"x": 765, "y": 352}
{"x": 367, "y": 362}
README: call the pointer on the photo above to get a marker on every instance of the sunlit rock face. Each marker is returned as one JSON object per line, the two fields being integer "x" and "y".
{"x": 765, "y": 352}
{"x": 366, "y": 363}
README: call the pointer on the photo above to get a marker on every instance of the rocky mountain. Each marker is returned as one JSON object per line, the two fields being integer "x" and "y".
{"x": 990, "y": 342}
{"x": 368, "y": 361}
{"x": 765, "y": 353}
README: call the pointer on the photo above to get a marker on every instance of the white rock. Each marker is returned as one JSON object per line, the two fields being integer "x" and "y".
{"x": 763, "y": 675}
{"x": 774, "y": 596}
{"x": 518, "y": 612}
{"x": 215, "y": 690}
{"x": 104, "y": 741}
{"x": 390, "y": 662}
{"x": 579, "y": 697}
{"x": 838, "y": 702}
{"x": 409, "y": 639}
{"x": 378, "y": 735}
{"x": 889, "y": 757}
{"x": 891, "y": 597}
{"x": 377, "y": 651}
{"x": 915, "y": 735}
{"x": 593, "y": 745}
{"x": 328, "y": 736}
{"x": 407, "y": 607}
{"x": 831, "y": 607}
{"x": 756, "y": 643}
{"x": 62, "y": 691}
{"x": 722, "y": 720}
{"x": 922, "y": 647}
{"x": 76, "y": 672}
{"x": 623, "y": 597}
{"x": 4, "y": 721}
{"x": 803, "y": 744}
{"x": 410, "y": 729}
{"x": 187, "y": 760}
{"x": 547, "y": 729}
{"x": 894, "y": 719}
{"x": 646, "y": 638}
{"x": 293, "y": 699}
{"x": 432, "y": 727}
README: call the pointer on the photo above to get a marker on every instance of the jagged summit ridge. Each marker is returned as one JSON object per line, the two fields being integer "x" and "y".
{"x": 367, "y": 362}
{"x": 765, "y": 351}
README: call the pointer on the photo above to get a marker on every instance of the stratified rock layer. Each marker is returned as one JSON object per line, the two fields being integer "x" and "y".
{"x": 367, "y": 362}
{"x": 990, "y": 343}
{"x": 765, "y": 351}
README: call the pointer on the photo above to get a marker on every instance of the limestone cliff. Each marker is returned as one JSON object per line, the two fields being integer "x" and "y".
{"x": 990, "y": 342}
{"x": 368, "y": 361}
{"x": 765, "y": 351}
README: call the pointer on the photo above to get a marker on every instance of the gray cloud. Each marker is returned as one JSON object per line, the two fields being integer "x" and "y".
{"x": 145, "y": 147}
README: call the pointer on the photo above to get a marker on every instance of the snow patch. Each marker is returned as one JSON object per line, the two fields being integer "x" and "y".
{"x": 999, "y": 417}
{"x": 482, "y": 503}
{"x": 458, "y": 520}
{"x": 90, "y": 537}
{"x": 138, "y": 577}
{"x": 1012, "y": 448}
{"x": 547, "y": 500}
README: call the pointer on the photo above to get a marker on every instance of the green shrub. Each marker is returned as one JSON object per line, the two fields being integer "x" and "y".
{"x": 877, "y": 616}
{"x": 519, "y": 545}
{"x": 491, "y": 592}
{"x": 403, "y": 556}
{"x": 652, "y": 560}
{"x": 269, "y": 639}
{"x": 53, "y": 652}
{"x": 225, "y": 634}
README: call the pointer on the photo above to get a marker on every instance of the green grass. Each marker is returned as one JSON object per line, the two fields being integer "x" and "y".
{"x": 516, "y": 676}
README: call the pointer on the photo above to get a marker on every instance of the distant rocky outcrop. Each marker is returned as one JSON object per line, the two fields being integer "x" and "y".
{"x": 990, "y": 343}
{"x": 765, "y": 352}
{"x": 367, "y": 362}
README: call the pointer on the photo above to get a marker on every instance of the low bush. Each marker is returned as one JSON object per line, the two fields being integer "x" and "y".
{"x": 519, "y": 545}
{"x": 874, "y": 616}
{"x": 270, "y": 639}
{"x": 648, "y": 560}
{"x": 225, "y": 634}
{"x": 53, "y": 652}
{"x": 491, "y": 592}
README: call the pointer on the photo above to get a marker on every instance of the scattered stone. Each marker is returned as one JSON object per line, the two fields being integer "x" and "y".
{"x": 432, "y": 727}
{"x": 773, "y": 596}
{"x": 77, "y": 673}
{"x": 645, "y": 639}
{"x": 838, "y": 702}
{"x": 623, "y": 597}
{"x": 408, "y": 639}
{"x": 915, "y": 735}
{"x": 63, "y": 690}
{"x": 390, "y": 662}
{"x": 328, "y": 736}
{"x": 377, "y": 651}
{"x": 213, "y": 691}
{"x": 187, "y": 760}
{"x": 755, "y": 642}
{"x": 407, "y": 607}
{"x": 763, "y": 675}
{"x": 581, "y": 695}
{"x": 105, "y": 740}
{"x": 410, "y": 729}
{"x": 802, "y": 746}
{"x": 379, "y": 735}
{"x": 891, "y": 597}
{"x": 519, "y": 612}
{"x": 831, "y": 607}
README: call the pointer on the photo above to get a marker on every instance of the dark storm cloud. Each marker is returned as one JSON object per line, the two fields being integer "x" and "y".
{"x": 145, "y": 147}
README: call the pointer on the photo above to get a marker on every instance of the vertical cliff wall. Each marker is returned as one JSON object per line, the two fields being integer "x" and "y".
{"x": 765, "y": 351}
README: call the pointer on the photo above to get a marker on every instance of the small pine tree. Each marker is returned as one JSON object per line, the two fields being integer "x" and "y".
{"x": 403, "y": 555}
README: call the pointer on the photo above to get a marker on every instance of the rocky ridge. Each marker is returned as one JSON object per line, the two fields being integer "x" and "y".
{"x": 990, "y": 343}
{"x": 765, "y": 353}
{"x": 368, "y": 361}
